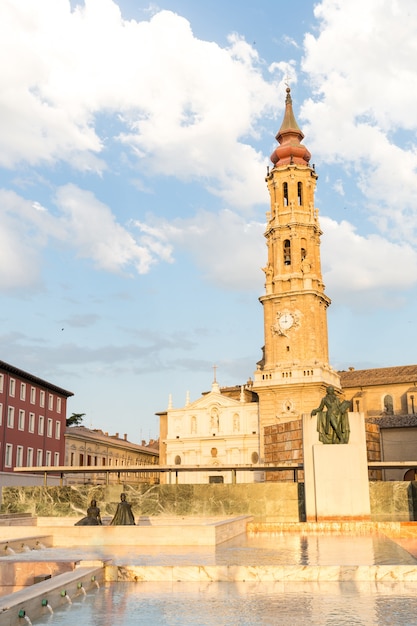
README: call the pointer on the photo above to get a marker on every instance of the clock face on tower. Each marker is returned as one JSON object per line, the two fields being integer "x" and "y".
{"x": 285, "y": 321}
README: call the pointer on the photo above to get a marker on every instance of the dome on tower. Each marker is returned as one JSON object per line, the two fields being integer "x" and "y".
{"x": 290, "y": 151}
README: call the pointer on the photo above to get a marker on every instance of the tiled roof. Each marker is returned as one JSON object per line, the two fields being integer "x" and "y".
{"x": 394, "y": 421}
{"x": 97, "y": 435}
{"x": 378, "y": 376}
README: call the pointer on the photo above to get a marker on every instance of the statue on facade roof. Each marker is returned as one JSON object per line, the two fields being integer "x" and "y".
{"x": 332, "y": 418}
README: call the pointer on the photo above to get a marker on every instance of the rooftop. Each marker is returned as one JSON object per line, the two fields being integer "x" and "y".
{"x": 378, "y": 376}
{"x": 11, "y": 369}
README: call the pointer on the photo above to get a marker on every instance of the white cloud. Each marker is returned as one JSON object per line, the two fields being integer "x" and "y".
{"x": 189, "y": 109}
{"x": 194, "y": 122}
{"x": 289, "y": 41}
{"x": 92, "y": 229}
{"x": 79, "y": 222}
{"x": 19, "y": 264}
{"x": 184, "y": 107}
{"x": 287, "y": 69}
{"x": 36, "y": 124}
{"x": 365, "y": 271}
{"x": 228, "y": 249}
{"x": 20, "y": 241}
{"x": 363, "y": 115}
{"x": 338, "y": 187}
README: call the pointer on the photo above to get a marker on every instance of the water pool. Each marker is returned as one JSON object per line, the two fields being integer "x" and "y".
{"x": 256, "y": 549}
{"x": 328, "y": 600}
{"x": 242, "y": 604}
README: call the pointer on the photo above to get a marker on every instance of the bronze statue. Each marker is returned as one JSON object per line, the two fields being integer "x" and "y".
{"x": 332, "y": 423}
{"x": 92, "y": 518}
{"x": 123, "y": 515}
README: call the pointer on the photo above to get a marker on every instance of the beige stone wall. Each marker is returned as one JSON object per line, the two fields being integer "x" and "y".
{"x": 369, "y": 399}
{"x": 81, "y": 444}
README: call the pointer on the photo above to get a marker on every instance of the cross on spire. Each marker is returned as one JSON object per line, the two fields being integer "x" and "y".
{"x": 214, "y": 369}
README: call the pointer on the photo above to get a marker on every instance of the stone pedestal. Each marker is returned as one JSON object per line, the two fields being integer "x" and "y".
{"x": 336, "y": 475}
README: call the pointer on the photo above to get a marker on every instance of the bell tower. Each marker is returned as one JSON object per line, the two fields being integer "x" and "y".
{"x": 292, "y": 376}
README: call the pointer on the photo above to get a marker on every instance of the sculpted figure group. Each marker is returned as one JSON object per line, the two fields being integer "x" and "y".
{"x": 332, "y": 418}
{"x": 123, "y": 516}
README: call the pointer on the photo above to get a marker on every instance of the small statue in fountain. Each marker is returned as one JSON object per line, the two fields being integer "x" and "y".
{"x": 92, "y": 518}
{"x": 123, "y": 515}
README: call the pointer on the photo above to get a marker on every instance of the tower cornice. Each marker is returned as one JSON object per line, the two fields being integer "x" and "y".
{"x": 299, "y": 292}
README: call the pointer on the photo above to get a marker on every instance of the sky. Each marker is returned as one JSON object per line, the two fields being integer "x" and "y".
{"x": 134, "y": 143}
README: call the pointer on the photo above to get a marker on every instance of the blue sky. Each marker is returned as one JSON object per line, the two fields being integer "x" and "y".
{"x": 134, "y": 141}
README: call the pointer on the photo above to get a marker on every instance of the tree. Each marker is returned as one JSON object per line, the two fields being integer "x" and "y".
{"x": 75, "y": 419}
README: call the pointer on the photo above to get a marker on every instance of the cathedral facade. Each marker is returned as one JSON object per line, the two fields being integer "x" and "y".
{"x": 220, "y": 428}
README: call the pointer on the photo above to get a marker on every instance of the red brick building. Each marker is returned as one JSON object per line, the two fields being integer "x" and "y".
{"x": 32, "y": 420}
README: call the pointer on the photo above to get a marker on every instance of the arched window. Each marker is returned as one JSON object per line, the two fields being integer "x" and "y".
{"x": 388, "y": 405}
{"x": 287, "y": 252}
{"x": 300, "y": 193}
{"x": 285, "y": 193}
{"x": 177, "y": 460}
{"x": 303, "y": 249}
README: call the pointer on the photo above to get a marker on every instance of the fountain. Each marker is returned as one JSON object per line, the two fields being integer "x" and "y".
{"x": 46, "y": 604}
{"x": 234, "y": 569}
{"x": 66, "y": 596}
{"x": 22, "y": 614}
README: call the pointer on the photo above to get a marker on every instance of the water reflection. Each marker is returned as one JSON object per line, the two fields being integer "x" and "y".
{"x": 296, "y": 549}
{"x": 246, "y": 604}
{"x": 256, "y": 549}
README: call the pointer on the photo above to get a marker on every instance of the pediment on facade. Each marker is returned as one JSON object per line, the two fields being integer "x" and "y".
{"x": 214, "y": 399}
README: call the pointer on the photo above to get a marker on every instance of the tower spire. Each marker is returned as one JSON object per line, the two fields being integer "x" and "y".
{"x": 290, "y": 151}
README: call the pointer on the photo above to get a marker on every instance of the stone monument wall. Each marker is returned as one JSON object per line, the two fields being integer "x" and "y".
{"x": 373, "y": 446}
{"x": 276, "y": 502}
{"x": 267, "y": 502}
{"x": 284, "y": 443}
